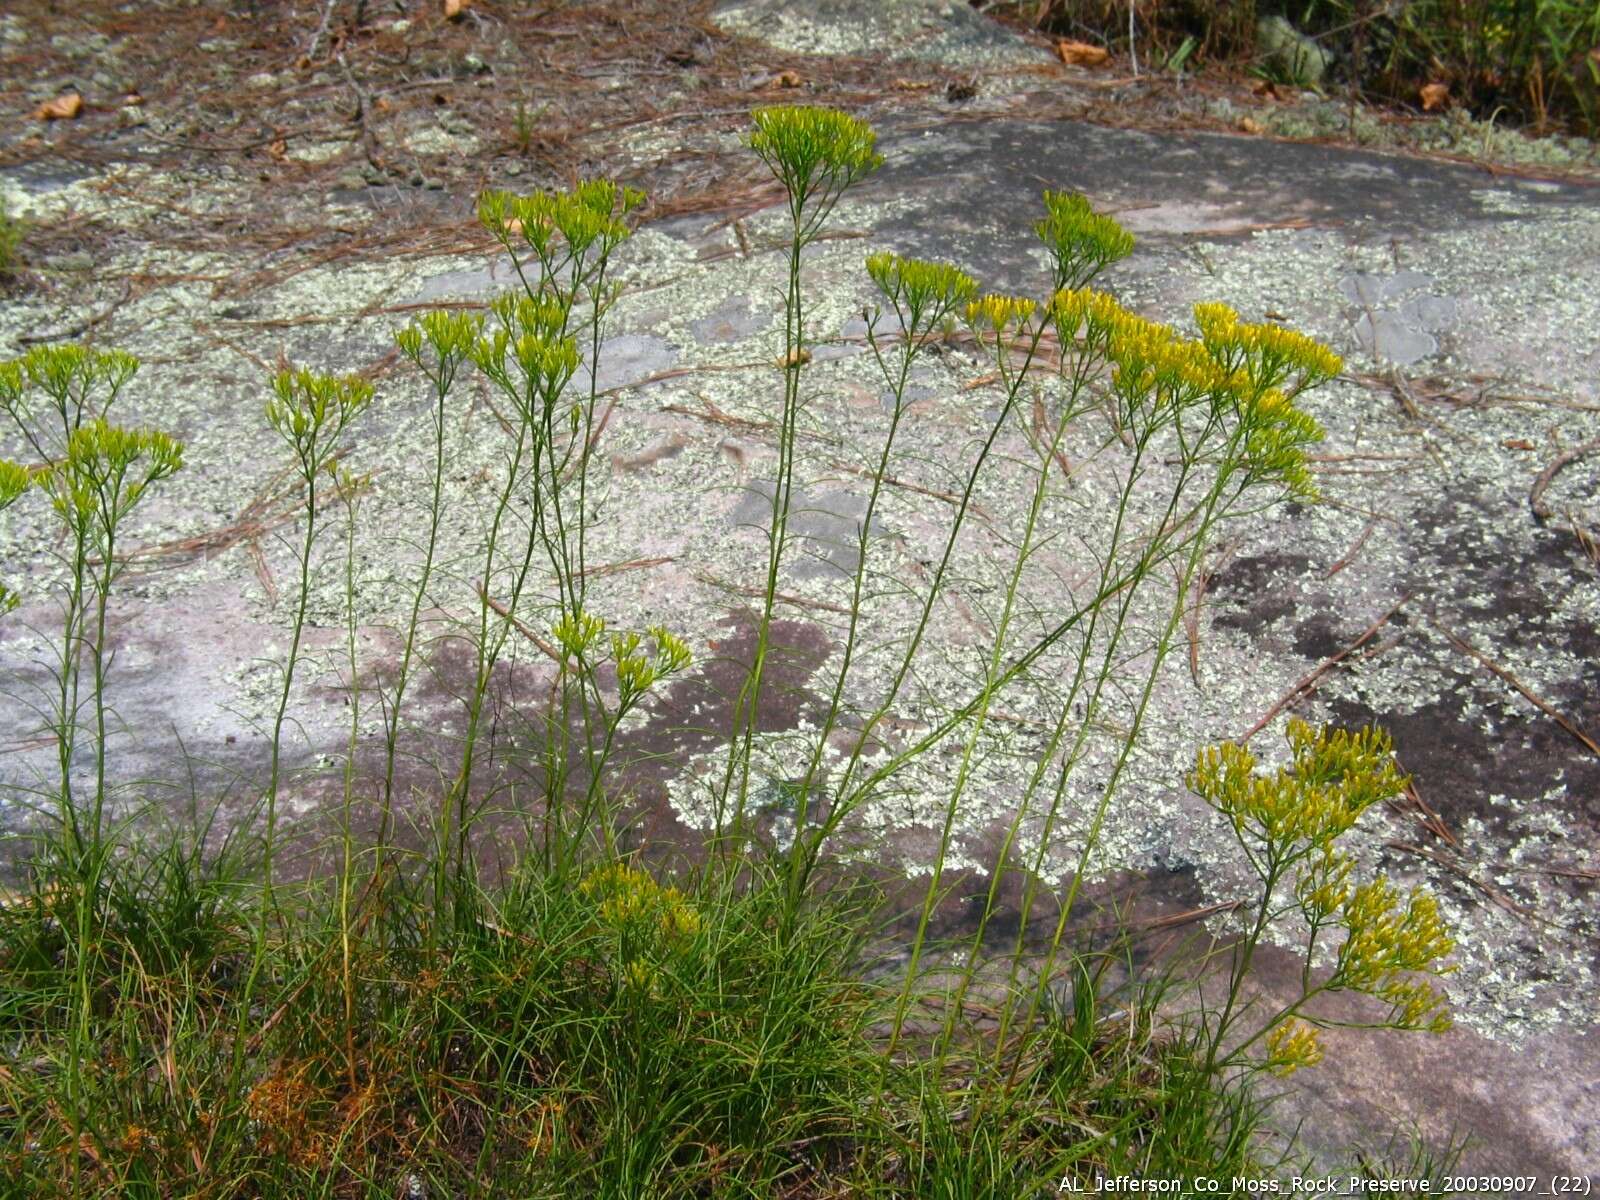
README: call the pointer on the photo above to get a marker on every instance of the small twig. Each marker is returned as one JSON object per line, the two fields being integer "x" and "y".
{"x": 369, "y": 141}
{"x": 1528, "y": 694}
{"x": 1353, "y": 551}
{"x": 1455, "y": 868}
{"x": 1308, "y": 683}
{"x": 1541, "y": 510}
{"x": 555, "y": 655}
{"x": 779, "y": 597}
{"x": 1425, "y": 815}
{"x": 322, "y": 29}
{"x": 82, "y": 327}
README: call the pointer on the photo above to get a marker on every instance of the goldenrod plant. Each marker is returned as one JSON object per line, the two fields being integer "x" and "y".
{"x": 1288, "y": 823}
{"x": 817, "y": 154}
{"x": 94, "y": 474}
{"x": 311, "y": 412}
{"x": 587, "y": 1021}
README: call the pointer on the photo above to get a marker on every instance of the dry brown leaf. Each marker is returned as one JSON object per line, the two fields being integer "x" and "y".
{"x": 278, "y": 148}
{"x": 1518, "y": 444}
{"x": 1081, "y": 54}
{"x": 454, "y": 8}
{"x": 785, "y": 79}
{"x": 1435, "y": 96}
{"x": 63, "y": 108}
{"x": 1251, "y": 125}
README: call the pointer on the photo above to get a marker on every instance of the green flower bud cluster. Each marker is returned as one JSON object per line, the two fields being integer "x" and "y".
{"x": 451, "y": 337}
{"x": 816, "y": 153}
{"x": 14, "y": 480}
{"x": 105, "y": 472}
{"x": 651, "y": 922}
{"x": 66, "y": 373}
{"x": 1082, "y": 242}
{"x": 589, "y": 217}
{"x": 637, "y": 671}
{"x": 531, "y": 340}
{"x": 70, "y": 376}
{"x": 311, "y": 411}
{"x": 921, "y": 293}
{"x": 1288, "y": 823}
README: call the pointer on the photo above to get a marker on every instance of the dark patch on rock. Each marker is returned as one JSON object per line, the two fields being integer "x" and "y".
{"x": 1262, "y": 585}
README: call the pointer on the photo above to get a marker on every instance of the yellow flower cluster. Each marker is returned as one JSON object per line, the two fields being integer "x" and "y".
{"x": 924, "y": 293}
{"x": 1291, "y": 1046}
{"x": 630, "y": 899}
{"x": 1272, "y": 356}
{"x": 1336, "y": 775}
{"x": 1288, "y": 822}
{"x": 998, "y": 313}
{"x": 1386, "y": 941}
{"x": 1081, "y": 241}
{"x": 592, "y": 214}
{"x": 811, "y": 149}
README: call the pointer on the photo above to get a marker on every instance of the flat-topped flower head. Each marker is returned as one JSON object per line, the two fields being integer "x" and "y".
{"x": 70, "y": 375}
{"x": 923, "y": 293}
{"x": 637, "y": 671}
{"x": 310, "y": 410}
{"x": 1081, "y": 242}
{"x": 1094, "y": 316}
{"x": 814, "y": 151}
{"x": 1291, "y": 1046}
{"x": 588, "y": 216}
{"x": 1272, "y": 356}
{"x": 106, "y": 470}
{"x": 998, "y": 313}
{"x": 451, "y": 337}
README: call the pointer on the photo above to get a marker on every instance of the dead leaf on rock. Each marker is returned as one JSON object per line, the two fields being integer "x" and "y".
{"x": 1081, "y": 54}
{"x": 454, "y": 8}
{"x": 1435, "y": 96}
{"x": 278, "y": 148}
{"x": 64, "y": 107}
